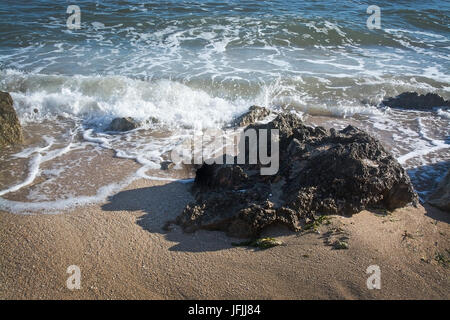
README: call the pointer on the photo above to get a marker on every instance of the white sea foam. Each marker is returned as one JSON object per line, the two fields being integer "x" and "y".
{"x": 99, "y": 99}
{"x": 63, "y": 204}
{"x": 33, "y": 172}
{"x": 436, "y": 146}
{"x": 72, "y": 201}
{"x": 443, "y": 113}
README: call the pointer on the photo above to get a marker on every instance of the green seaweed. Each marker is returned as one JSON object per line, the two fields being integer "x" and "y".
{"x": 340, "y": 245}
{"x": 262, "y": 243}
{"x": 441, "y": 259}
{"x": 314, "y": 225}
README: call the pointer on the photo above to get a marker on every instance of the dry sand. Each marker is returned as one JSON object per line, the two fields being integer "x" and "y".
{"x": 123, "y": 253}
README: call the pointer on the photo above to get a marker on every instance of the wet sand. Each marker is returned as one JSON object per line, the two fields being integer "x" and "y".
{"x": 123, "y": 253}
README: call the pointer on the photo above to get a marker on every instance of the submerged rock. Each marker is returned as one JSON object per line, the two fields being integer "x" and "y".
{"x": 320, "y": 173}
{"x": 10, "y": 128}
{"x": 412, "y": 100}
{"x": 254, "y": 114}
{"x": 440, "y": 198}
{"x": 123, "y": 124}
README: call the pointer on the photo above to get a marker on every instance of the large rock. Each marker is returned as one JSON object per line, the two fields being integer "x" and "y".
{"x": 320, "y": 173}
{"x": 10, "y": 128}
{"x": 123, "y": 124}
{"x": 440, "y": 198}
{"x": 412, "y": 100}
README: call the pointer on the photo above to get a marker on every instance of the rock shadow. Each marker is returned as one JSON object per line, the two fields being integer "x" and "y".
{"x": 164, "y": 203}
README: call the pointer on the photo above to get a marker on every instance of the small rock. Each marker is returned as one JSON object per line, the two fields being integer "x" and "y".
{"x": 166, "y": 165}
{"x": 123, "y": 124}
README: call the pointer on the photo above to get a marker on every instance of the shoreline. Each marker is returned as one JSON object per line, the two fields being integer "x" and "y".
{"x": 84, "y": 169}
{"x": 123, "y": 253}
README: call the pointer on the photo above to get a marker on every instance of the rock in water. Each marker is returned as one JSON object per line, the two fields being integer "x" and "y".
{"x": 440, "y": 198}
{"x": 166, "y": 165}
{"x": 254, "y": 114}
{"x": 123, "y": 124}
{"x": 413, "y": 100}
{"x": 10, "y": 128}
{"x": 320, "y": 173}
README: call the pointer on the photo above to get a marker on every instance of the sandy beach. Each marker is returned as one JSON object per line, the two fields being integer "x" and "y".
{"x": 124, "y": 253}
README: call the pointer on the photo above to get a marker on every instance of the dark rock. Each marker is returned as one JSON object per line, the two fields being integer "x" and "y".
{"x": 10, "y": 128}
{"x": 123, "y": 124}
{"x": 440, "y": 198}
{"x": 320, "y": 173}
{"x": 166, "y": 165}
{"x": 254, "y": 114}
{"x": 412, "y": 100}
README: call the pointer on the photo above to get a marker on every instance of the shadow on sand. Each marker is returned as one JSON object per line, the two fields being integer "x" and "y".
{"x": 162, "y": 203}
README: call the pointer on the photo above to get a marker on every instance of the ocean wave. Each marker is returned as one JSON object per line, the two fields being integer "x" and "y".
{"x": 96, "y": 100}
